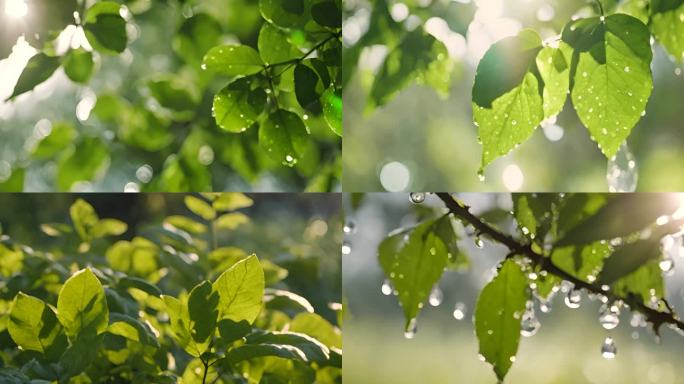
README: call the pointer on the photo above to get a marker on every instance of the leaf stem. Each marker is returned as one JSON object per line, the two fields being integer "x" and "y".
{"x": 600, "y": 7}
{"x": 291, "y": 62}
{"x": 206, "y": 371}
{"x": 461, "y": 211}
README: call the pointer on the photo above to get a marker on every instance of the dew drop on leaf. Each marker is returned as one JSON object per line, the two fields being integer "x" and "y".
{"x": 608, "y": 349}
{"x": 573, "y": 298}
{"x": 411, "y": 329}
{"x": 622, "y": 173}
{"x": 417, "y": 197}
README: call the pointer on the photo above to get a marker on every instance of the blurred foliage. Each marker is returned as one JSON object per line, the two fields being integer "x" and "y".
{"x": 201, "y": 95}
{"x": 136, "y": 258}
{"x": 396, "y": 102}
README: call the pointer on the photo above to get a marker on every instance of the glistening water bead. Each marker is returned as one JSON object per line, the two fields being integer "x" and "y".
{"x": 346, "y": 248}
{"x": 459, "y": 311}
{"x": 572, "y": 300}
{"x": 622, "y": 173}
{"x": 417, "y": 197}
{"x": 608, "y": 349}
{"x": 386, "y": 287}
{"x": 436, "y": 296}
{"x": 609, "y": 316}
{"x": 349, "y": 227}
{"x": 411, "y": 329}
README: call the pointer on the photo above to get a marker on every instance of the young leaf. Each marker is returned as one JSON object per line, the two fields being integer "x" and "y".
{"x": 186, "y": 224}
{"x": 109, "y": 227}
{"x": 231, "y": 201}
{"x": 497, "y": 317}
{"x": 105, "y": 28}
{"x": 241, "y": 290}
{"x": 84, "y": 218}
{"x": 507, "y": 104}
{"x": 332, "y": 109}
{"x": 38, "y": 69}
{"x": 612, "y": 76}
{"x": 233, "y": 60}
{"x": 231, "y": 221}
{"x": 284, "y": 136}
{"x": 414, "y": 262}
{"x": 81, "y": 306}
{"x": 78, "y": 65}
{"x": 203, "y": 312}
{"x": 237, "y": 106}
{"x": 200, "y": 207}
{"x": 667, "y": 26}
{"x": 33, "y": 326}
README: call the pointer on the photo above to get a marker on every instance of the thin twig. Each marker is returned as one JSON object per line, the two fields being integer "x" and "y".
{"x": 462, "y": 212}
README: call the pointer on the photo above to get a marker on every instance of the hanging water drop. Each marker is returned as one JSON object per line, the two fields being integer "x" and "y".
{"x": 417, "y": 197}
{"x": 436, "y": 296}
{"x": 608, "y": 349}
{"x": 529, "y": 324}
{"x": 573, "y": 298}
{"x": 478, "y": 241}
{"x": 609, "y": 316}
{"x": 411, "y": 329}
{"x": 386, "y": 287}
{"x": 346, "y": 248}
{"x": 459, "y": 311}
{"x": 667, "y": 266}
{"x": 622, "y": 173}
{"x": 349, "y": 227}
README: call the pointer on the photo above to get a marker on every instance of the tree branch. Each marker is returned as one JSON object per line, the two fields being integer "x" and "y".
{"x": 462, "y": 212}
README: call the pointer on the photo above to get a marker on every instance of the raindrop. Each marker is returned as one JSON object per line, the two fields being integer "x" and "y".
{"x": 417, "y": 197}
{"x": 609, "y": 316}
{"x": 349, "y": 227}
{"x": 411, "y": 329}
{"x": 573, "y": 298}
{"x": 608, "y": 349}
{"x": 529, "y": 324}
{"x": 459, "y": 311}
{"x": 346, "y": 248}
{"x": 478, "y": 242}
{"x": 622, "y": 173}
{"x": 667, "y": 266}
{"x": 436, "y": 296}
{"x": 386, "y": 287}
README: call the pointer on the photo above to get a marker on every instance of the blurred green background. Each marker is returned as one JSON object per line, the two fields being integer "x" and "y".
{"x": 431, "y": 142}
{"x": 566, "y": 349}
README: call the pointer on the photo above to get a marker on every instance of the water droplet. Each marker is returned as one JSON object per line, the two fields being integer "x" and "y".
{"x": 573, "y": 298}
{"x": 417, "y": 197}
{"x": 622, "y": 173}
{"x": 349, "y": 227}
{"x": 436, "y": 296}
{"x": 529, "y": 324}
{"x": 411, "y": 329}
{"x": 667, "y": 266}
{"x": 386, "y": 287}
{"x": 346, "y": 248}
{"x": 608, "y": 349}
{"x": 480, "y": 175}
{"x": 459, "y": 311}
{"x": 203, "y": 66}
{"x": 584, "y": 74}
{"x": 609, "y": 316}
{"x": 627, "y": 69}
{"x": 478, "y": 241}
{"x": 603, "y": 18}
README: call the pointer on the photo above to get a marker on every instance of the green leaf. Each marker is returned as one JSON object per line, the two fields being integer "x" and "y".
{"x": 416, "y": 58}
{"x": 89, "y": 157}
{"x": 105, "y": 28}
{"x": 497, "y": 317}
{"x": 137, "y": 257}
{"x": 554, "y": 69}
{"x": 507, "y": 103}
{"x": 109, "y": 227}
{"x": 233, "y": 60}
{"x": 628, "y": 258}
{"x": 60, "y": 137}
{"x": 284, "y": 136}
{"x": 84, "y": 218}
{"x": 237, "y": 106}
{"x": 278, "y": 299}
{"x": 132, "y": 329}
{"x": 11, "y": 261}
{"x": 185, "y": 223}
{"x": 241, "y": 290}
{"x": 667, "y": 26}
{"x": 200, "y": 208}
{"x": 583, "y": 262}
{"x": 173, "y": 94}
{"x": 15, "y": 181}
{"x": 308, "y": 86}
{"x": 533, "y": 212}
{"x": 285, "y": 13}
{"x": 80, "y": 355}
{"x": 232, "y": 331}
{"x": 78, "y": 65}
{"x": 38, "y": 69}
{"x": 414, "y": 262}
{"x": 33, "y": 326}
{"x": 646, "y": 283}
{"x": 231, "y": 221}
{"x": 332, "y": 109}
{"x": 274, "y": 46}
{"x": 327, "y": 14}
{"x": 196, "y": 36}
{"x": 231, "y": 201}
{"x": 180, "y": 326}
{"x": 142, "y": 128}
{"x": 623, "y": 214}
{"x": 203, "y": 312}
{"x": 253, "y": 351}
{"x": 141, "y": 284}
{"x": 317, "y": 327}
{"x": 314, "y": 350}
{"x": 612, "y": 78}
{"x": 81, "y": 306}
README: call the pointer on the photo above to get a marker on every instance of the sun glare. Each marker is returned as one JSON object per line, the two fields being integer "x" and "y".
{"x": 16, "y": 8}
